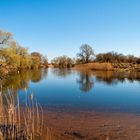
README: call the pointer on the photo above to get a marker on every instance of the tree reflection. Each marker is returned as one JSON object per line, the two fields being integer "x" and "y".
{"x": 109, "y": 77}
{"x": 114, "y": 77}
{"x": 85, "y": 82}
{"x": 20, "y": 81}
{"x": 36, "y": 75}
{"x": 61, "y": 72}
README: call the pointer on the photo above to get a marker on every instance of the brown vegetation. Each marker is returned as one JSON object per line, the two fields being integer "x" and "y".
{"x": 95, "y": 66}
{"x": 18, "y": 122}
{"x": 62, "y": 62}
{"x": 109, "y": 66}
{"x": 114, "y": 57}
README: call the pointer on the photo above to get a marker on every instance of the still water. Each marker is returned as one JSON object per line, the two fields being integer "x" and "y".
{"x": 76, "y": 90}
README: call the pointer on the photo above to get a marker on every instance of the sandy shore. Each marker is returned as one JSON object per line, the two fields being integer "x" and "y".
{"x": 91, "y": 126}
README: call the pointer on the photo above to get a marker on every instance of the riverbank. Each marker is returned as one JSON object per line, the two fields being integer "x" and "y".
{"x": 108, "y": 66}
{"x": 94, "y": 66}
{"x": 6, "y": 70}
{"x": 85, "y": 125}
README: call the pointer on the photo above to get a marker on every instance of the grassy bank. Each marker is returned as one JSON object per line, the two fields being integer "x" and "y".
{"x": 108, "y": 66}
{"x": 94, "y": 66}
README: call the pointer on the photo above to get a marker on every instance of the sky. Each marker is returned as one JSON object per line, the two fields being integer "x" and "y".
{"x": 60, "y": 27}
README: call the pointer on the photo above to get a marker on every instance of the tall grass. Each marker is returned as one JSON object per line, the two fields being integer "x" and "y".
{"x": 95, "y": 66}
{"x": 24, "y": 122}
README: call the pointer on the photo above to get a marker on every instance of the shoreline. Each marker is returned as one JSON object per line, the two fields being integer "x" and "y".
{"x": 128, "y": 67}
{"x": 91, "y": 125}
{"x": 96, "y": 66}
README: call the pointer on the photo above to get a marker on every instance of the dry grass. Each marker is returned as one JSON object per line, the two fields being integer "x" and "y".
{"x": 16, "y": 122}
{"x": 95, "y": 66}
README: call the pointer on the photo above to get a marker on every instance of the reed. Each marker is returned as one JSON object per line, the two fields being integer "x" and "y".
{"x": 24, "y": 122}
{"x": 95, "y": 66}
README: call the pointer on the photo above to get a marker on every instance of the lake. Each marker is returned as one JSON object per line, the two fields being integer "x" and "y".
{"x": 66, "y": 89}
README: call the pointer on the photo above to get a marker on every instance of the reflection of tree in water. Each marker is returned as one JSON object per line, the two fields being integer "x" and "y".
{"x": 85, "y": 81}
{"x": 134, "y": 76}
{"x": 39, "y": 74}
{"x": 13, "y": 83}
{"x": 108, "y": 77}
{"x": 44, "y": 73}
{"x": 21, "y": 80}
{"x": 108, "y": 81}
{"x": 16, "y": 81}
{"x": 36, "y": 75}
{"x": 113, "y": 78}
{"x": 61, "y": 72}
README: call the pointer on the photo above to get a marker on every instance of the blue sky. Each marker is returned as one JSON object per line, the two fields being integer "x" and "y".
{"x": 57, "y": 27}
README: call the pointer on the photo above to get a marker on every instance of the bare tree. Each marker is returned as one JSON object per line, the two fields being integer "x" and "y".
{"x": 5, "y": 37}
{"x": 86, "y": 53}
{"x": 62, "y": 62}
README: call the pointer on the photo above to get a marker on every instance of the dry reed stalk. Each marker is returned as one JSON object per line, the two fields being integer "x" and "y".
{"x": 18, "y": 122}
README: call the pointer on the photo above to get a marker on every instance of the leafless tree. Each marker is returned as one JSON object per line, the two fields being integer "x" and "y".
{"x": 5, "y": 37}
{"x": 86, "y": 53}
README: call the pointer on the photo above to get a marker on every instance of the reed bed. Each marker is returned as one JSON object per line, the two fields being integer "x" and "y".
{"x": 95, "y": 66}
{"x": 20, "y": 122}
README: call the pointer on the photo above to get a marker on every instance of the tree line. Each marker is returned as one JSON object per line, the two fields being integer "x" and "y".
{"x": 12, "y": 54}
{"x": 17, "y": 57}
{"x": 86, "y": 55}
{"x": 114, "y": 57}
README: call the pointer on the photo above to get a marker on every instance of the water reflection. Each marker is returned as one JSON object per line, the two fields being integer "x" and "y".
{"x": 21, "y": 80}
{"x": 110, "y": 77}
{"x": 113, "y": 78}
{"x": 85, "y": 81}
{"x": 66, "y": 91}
{"x": 61, "y": 72}
{"x": 37, "y": 75}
